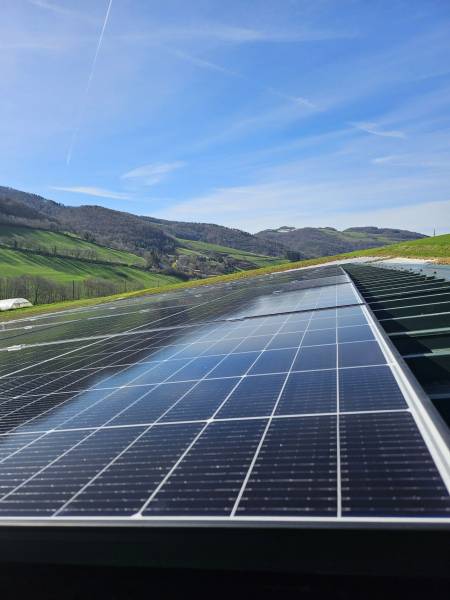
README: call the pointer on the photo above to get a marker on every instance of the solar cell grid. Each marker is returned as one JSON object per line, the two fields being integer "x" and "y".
{"x": 255, "y": 396}
{"x": 387, "y": 469}
{"x": 124, "y": 485}
{"x": 295, "y": 473}
{"x": 360, "y": 353}
{"x": 208, "y": 479}
{"x": 369, "y": 388}
{"x": 261, "y": 417}
{"x": 309, "y": 392}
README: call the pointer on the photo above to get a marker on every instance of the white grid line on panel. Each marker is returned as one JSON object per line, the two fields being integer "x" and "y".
{"x": 197, "y": 437}
{"x": 264, "y": 434}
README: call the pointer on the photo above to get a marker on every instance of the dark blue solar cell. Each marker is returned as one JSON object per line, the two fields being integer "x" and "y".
{"x": 320, "y": 337}
{"x": 255, "y": 396}
{"x": 286, "y": 340}
{"x": 234, "y": 365}
{"x": 357, "y": 333}
{"x": 350, "y": 320}
{"x": 241, "y": 331}
{"x": 51, "y": 488}
{"x": 26, "y": 411}
{"x": 113, "y": 403}
{"x": 309, "y": 392}
{"x": 369, "y": 388}
{"x": 360, "y": 353}
{"x": 295, "y": 472}
{"x": 10, "y": 444}
{"x": 274, "y": 361}
{"x": 60, "y": 410}
{"x": 158, "y": 374}
{"x": 202, "y": 400}
{"x": 318, "y": 315}
{"x": 322, "y": 324}
{"x": 124, "y": 487}
{"x": 387, "y": 469}
{"x": 294, "y": 327}
{"x": 315, "y": 357}
{"x": 253, "y": 343}
{"x": 270, "y": 328}
{"x": 195, "y": 349}
{"x": 16, "y": 469}
{"x": 207, "y": 481}
{"x": 196, "y": 369}
{"x": 301, "y": 317}
{"x": 153, "y": 405}
{"x": 348, "y": 311}
{"x": 222, "y": 347}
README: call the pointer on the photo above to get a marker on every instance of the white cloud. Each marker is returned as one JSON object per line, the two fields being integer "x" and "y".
{"x": 374, "y": 129}
{"x": 152, "y": 173}
{"x": 336, "y": 203}
{"x": 93, "y": 191}
{"x": 424, "y": 218}
{"x": 414, "y": 161}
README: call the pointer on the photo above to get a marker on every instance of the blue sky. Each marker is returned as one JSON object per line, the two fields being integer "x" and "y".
{"x": 251, "y": 114}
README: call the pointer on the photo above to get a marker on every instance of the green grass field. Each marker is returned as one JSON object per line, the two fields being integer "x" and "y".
{"x": 61, "y": 243}
{"x": 432, "y": 247}
{"x": 437, "y": 248}
{"x": 204, "y": 248}
{"x": 14, "y": 263}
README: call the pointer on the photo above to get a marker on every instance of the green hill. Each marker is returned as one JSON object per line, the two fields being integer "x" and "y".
{"x": 313, "y": 242}
{"x": 44, "y": 278}
{"x": 63, "y": 244}
{"x": 206, "y": 249}
{"x": 436, "y": 247}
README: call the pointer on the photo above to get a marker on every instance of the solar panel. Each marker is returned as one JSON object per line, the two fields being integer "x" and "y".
{"x": 295, "y": 473}
{"x": 276, "y": 400}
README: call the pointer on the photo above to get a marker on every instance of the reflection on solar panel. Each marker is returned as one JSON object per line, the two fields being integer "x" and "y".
{"x": 272, "y": 399}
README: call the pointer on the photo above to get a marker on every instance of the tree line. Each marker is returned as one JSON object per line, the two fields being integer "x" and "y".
{"x": 40, "y": 290}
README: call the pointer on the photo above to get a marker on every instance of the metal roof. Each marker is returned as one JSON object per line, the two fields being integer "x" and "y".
{"x": 413, "y": 307}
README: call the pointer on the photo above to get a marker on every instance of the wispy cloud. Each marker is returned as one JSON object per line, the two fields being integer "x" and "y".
{"x": 197, "y": 61}
{"x": 375, "y": 129}
{"x": 231, "y": 34}
{"x": 414, "y": 160}
{"x": 62, "y": 11}
{"x": 93, "y": 191}
{"x": 152, "y": 173}
{"x": 50, "y": 6}
{"x": 295, "y": 201}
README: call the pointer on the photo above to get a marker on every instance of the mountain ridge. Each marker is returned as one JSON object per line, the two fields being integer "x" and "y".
{"x": 327, "y": 241}
{"x": 165, "y": 239}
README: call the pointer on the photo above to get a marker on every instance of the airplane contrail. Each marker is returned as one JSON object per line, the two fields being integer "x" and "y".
{"x": 88, "y": 85}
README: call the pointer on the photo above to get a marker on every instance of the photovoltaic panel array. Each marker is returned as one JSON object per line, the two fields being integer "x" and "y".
{"x": 273, "y": 399}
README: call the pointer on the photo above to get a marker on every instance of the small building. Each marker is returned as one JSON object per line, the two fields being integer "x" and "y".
{"x": 12, "y": 303}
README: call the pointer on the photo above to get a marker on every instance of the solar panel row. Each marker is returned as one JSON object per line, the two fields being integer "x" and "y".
{"x": 292, "y": 416}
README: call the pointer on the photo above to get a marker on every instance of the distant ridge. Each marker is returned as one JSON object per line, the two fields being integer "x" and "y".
{"x": 313, "y": 242}
{"x": 143, "y": 234}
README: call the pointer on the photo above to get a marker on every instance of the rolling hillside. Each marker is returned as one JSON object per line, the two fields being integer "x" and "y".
{"x": 324, "y": 241}
{"x": 437, "y": 248}
{"x": 430, "y": 247}
{"x": 63, "y": 244}
{"x": 142, "y": 234}
{"x": 219, "y": 236}
{"x": 247, "y": 259}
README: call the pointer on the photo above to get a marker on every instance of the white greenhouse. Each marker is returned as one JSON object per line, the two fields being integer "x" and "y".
{"x": 12, "y": 303}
